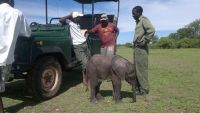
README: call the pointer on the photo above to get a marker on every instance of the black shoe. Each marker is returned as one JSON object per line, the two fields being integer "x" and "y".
{"x": 137, "y": 89}
{"x": 137, "y": 92}
{"x": 143, "y": 92}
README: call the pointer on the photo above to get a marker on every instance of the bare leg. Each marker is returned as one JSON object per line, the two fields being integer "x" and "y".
{"x": 85, "y": 80}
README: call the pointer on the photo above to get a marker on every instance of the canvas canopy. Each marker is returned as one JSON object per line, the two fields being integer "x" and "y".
{"x": 91, "y": 1}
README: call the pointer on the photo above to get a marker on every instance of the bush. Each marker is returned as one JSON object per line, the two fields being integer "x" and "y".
{"x": 184, "y": 43}
{"x": 153, "y": 46}
{"x": 196, "y": 42}
{"x": 129, "y": 45}
{"x": 165, "y": 43}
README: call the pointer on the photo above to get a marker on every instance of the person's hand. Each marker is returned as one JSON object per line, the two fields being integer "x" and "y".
{"x": 141, "y": 43}
{"x": 89, "y": 31}
{"x": 62, "y": 20}
{"x": 86, "y": 34}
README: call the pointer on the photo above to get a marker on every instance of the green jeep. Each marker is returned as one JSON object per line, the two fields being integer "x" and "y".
{"x": 41, "y": 58}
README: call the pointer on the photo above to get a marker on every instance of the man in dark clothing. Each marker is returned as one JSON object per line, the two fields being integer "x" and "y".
{"x": 144, "y": 32}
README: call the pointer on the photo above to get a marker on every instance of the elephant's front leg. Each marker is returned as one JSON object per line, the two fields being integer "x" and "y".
{"x": 93, "y": 86}
{"x": 116, "y": 82}
{"x": 98, "y": 94}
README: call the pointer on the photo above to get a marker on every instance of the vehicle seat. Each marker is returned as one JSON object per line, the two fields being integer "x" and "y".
{"x": 85, "y": 22}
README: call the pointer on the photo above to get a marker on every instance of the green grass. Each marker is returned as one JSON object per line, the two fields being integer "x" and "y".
{"x": 174, "y": 76}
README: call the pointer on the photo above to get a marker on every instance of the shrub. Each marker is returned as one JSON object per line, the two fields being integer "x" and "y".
{"x": 130, "y": 45}
{"x": 166, "y": 43}
{"x": 184, "y": 43}
{"x": 196, "y": 42}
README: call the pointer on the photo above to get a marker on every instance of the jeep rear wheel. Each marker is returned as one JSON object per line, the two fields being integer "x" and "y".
{"x": 45, "y": 78}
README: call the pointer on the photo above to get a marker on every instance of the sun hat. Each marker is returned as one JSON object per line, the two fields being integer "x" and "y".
{"x": 104, "y": 17}
{"x": 76, "y": 14}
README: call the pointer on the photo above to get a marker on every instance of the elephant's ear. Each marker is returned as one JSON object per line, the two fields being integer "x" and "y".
{"x": 130, "y": 69}
{"x": 119, "y": 67}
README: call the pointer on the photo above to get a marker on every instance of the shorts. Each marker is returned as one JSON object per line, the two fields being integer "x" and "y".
{"x": 109, "y": 50}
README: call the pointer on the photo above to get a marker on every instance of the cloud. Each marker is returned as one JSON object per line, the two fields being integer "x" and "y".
{"x": 175, "y": 14}
{"x": 35, "y": 10}
{"x": 164, "y": 14}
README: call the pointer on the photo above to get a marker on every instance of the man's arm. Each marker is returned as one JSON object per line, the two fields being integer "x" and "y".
{"x": 149, "y": 29}
{"x": 149, "y": 32}
{"x": 63, "y": 19}
{"x": 95, "y": 28}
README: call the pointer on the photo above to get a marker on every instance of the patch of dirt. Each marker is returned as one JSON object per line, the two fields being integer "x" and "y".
{"x": 135, "y": 111}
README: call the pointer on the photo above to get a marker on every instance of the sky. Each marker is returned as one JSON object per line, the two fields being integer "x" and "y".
{"x": 166, "y": 15}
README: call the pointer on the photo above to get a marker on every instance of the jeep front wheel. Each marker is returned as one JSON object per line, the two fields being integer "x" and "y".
{"x": 45, "y": 78}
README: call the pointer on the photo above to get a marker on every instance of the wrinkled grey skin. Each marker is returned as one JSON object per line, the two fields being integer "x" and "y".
{"x": 115, "y": 68}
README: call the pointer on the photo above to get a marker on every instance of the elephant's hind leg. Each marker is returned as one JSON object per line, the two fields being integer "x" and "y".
{"x": 116, "y": 82}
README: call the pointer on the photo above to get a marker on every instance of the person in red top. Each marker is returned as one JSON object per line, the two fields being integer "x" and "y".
{"x": 107, "y": 33}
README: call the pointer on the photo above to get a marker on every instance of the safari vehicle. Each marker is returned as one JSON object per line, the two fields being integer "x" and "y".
{"x": 43, "y": 57}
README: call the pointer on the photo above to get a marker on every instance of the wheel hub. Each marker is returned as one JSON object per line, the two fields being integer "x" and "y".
{"x": 49, "y": 78}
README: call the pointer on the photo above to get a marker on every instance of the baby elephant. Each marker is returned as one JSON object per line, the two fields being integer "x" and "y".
{"x": 115, "y": 68}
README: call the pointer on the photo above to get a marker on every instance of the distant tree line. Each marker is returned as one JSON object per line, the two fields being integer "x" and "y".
{"x": 186, "y": 37}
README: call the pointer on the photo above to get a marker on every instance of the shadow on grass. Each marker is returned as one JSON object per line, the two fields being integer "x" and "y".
{"x": 124, "y": 94}
{"x": 17, "y": 90}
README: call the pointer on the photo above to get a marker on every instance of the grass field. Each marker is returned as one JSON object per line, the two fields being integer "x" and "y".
{"x": 174, "y": 76}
